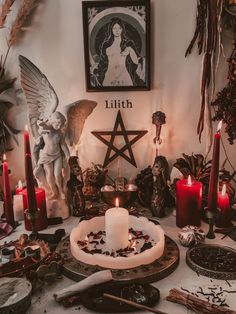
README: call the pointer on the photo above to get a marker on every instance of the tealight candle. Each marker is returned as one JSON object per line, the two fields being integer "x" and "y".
{"x": 188, "y": 202}
{"x": 117, "y": 227}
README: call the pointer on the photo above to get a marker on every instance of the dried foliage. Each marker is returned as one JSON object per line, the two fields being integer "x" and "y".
{"x": 207, "y": 36}
{"x": 6, "y": 131}
{"x": 199, "y": 170}
{"x": 24, "y": 11}
{"x": 225, "y": 102}
{"x": 5, "y": 9}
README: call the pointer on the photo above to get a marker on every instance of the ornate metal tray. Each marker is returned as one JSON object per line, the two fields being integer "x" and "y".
{"x": 214, "y": 261}
{"x": 155, "y": 271}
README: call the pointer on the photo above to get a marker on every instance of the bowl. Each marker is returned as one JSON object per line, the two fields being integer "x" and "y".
{"x": 126, "y": 197}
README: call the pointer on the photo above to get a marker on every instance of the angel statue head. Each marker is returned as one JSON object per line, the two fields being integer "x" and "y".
{"x": 51, "y": 152}
{"x": 57, "y": 120}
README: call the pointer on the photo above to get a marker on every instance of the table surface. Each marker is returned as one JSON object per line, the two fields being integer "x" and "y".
{"x": 182, "y": 277}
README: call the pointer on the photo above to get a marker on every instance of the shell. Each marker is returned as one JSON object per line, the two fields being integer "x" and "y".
{"x": 191, "y": 235}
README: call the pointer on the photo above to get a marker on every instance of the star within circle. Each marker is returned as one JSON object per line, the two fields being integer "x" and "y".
{"x": 128, "y": 143}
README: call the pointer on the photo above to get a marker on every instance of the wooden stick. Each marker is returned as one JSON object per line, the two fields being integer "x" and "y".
{"x": 195, "y": 304}
{"x": 131, "y": 303}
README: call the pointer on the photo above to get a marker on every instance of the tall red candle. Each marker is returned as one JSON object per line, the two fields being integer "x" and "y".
{"x": 8, "y": 205}
{"x": 188, "y": 202}
{"x": 223, "y": 219}
{"x": 31, "y": 198}
{"x": 26, "y": 141}
{"x": 214, "y": 176}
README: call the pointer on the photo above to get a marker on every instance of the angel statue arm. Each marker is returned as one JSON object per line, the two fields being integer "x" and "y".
{"x": 49, "y": 129}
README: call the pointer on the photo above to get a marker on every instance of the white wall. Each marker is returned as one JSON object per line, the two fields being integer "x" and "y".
{"x": 55, "y": 45}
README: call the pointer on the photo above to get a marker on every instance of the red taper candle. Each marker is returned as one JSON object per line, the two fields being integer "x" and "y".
{"x": 31, "y": 198}
{"x": 26, "y": 141}
{"x": 8, "y": 205}
{"x": 214, "y": 176}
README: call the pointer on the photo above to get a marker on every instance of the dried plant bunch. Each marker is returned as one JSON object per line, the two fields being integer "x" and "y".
{"x": 199, "y": 169}
{"x": 225, "y": 102}
{"x": 6, "y": 131}
{"x": 25, "y": 9}
{"x": 5, "y": 10}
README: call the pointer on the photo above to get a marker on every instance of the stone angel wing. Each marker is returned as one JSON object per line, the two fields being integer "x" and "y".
{"x": 77, "y": 113}
{"x": 40, "y": 95}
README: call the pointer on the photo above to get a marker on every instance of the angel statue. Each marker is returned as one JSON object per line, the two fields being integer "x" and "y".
{"x": 50, "y": 130}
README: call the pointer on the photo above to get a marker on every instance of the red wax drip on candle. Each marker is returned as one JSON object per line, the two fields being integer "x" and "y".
{"x": 214, "y": 176}
{"x": 26, "y": 141}
{"x": 8, "y": 205}
{"x": 31, "y": 198}
{"x": 188, "y": 203}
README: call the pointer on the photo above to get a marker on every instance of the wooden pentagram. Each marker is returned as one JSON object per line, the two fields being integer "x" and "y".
{"x": 128, "y": 143}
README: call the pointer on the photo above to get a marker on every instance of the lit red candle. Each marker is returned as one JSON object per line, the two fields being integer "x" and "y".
{"x": 188, "y": 202}
{"x": 223, "y": 219}
{"x": 41, "y": 221}
{"x": 8, "y": 205}
{"x": 214, "y": 176}
{"x": 26, "y": 141}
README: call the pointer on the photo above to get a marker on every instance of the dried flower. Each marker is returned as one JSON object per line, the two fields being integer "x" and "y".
{"x": 26, "y": 7}
{"x": 5, "y": 9}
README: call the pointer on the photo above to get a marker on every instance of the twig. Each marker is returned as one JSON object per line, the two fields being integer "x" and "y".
{"x": 195, "y": 304}
{"x": 131, "y": 303}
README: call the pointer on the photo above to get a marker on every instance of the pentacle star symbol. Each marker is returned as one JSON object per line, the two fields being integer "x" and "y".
{"x": 128, "y": 143}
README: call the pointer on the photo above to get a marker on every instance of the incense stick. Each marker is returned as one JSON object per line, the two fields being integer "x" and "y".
{"x": 131, "y": 303}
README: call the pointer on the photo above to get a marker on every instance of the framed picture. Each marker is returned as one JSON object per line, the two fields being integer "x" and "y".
{"x": 117, "y": 45}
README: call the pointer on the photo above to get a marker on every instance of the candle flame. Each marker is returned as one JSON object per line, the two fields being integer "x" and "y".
{"x": 223, "y": 192}
{"x": 117, "y": 202}
{"x": 219, "y": 126}
{"x": 20, "y": 184}
{"x": 26, "y": 128}
{"x": 189, "y": 180}
{"x": 4, "y": 157}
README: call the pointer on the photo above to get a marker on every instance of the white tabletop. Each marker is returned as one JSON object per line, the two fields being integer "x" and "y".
{"x": 183, "y": 276}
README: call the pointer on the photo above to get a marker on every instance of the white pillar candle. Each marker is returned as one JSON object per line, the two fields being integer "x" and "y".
{"x": 117, "y": 228}
{"x": 18, "y": 207}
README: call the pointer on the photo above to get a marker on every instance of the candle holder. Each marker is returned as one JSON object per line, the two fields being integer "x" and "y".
{"x": 32, "y": 217}
{"x": 211, "y": 216}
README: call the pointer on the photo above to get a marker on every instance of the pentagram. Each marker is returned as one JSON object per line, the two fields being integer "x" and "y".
{"x": 128, "y": 143}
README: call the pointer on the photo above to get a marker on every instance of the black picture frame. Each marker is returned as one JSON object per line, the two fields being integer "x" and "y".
{"x": 117, "y": 45}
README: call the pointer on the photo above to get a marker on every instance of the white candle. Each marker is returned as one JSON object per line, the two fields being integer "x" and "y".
{"x": 117, "y": 228}
{"x": 18, "y": 207}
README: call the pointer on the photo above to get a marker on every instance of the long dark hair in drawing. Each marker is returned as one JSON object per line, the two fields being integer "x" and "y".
{"x": 104, "y": 39}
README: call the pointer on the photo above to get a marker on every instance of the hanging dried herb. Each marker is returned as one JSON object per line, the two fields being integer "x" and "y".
{"x": 225, "y": 102}
{"x": 207, "y": 35}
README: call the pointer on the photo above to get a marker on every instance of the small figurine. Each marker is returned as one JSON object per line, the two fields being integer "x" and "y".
{"x": 158, "y": 118}
{"x": 161, "y": 195}
{"x": 94, "y": 180}
{"x": 75, "y": 185}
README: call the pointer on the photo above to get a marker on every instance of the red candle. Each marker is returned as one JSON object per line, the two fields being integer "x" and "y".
{"x": 214, "y": 176}
{"x": 8, "y": 205}
{"x": 223, "y": 219}
{"x": 19, "y": 188}
{"x": 41, "y": 221}
{"x": 26, "y": 141}
{"x": 188, "y": 202}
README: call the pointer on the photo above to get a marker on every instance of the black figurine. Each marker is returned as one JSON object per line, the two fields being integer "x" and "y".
{"x": 75, "y": 185}
{"x": 161, "y": 196}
